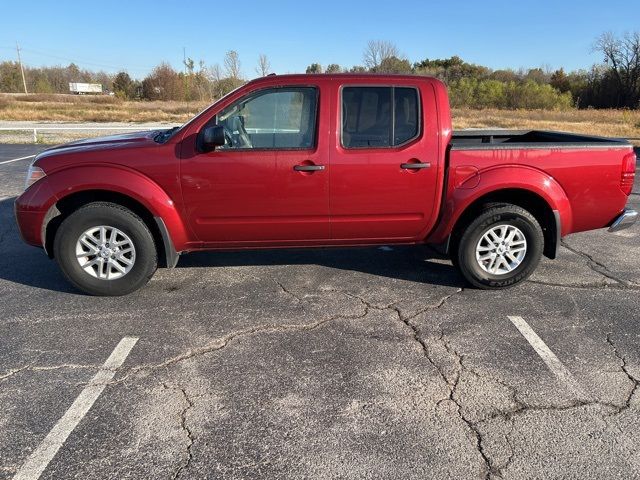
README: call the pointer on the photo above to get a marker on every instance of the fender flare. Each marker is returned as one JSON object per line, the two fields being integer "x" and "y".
{"x": 496, "y": 179}
{"x": 127, "y": 182}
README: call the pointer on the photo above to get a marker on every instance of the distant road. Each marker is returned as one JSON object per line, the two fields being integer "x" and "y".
{"x": 60, "y": 132}
{"x": 81, "y": 125}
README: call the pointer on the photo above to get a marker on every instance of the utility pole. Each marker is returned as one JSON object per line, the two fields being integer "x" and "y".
{"x": 24, "y": 82}
{"x": 184, "y": 63}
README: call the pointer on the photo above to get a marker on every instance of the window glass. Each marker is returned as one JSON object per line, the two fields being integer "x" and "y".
{"x": 371, "y": 117}
{"x": 366, "y": 117}
{"x": 279, "y": 118}
{"x": 406, "y": 118}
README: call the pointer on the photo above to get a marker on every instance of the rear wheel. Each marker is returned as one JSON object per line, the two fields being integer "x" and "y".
{"x": 500, "y": 248}
{"x": 105, "y": 249}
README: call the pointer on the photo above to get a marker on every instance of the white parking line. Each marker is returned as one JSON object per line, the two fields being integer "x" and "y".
{"x": 548, "y": 357}
{"x": 626, "y": 234}
{"x": 17, "y": 159}
{"x": 44, "y": 453}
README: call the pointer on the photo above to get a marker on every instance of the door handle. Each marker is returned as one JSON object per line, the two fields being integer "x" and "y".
{"x": 308, "y": 168}
{"x": 415, "y": 166}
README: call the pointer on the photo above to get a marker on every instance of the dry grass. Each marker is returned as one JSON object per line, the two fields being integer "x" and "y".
{"x": 73, "y": 108}
{"x": 607, "y": 123}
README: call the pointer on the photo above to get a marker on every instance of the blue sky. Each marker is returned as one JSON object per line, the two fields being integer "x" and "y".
{"x": 137, "y": 35}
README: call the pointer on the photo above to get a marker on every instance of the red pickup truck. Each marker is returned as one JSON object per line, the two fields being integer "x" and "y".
{"x": 315, "y": 161}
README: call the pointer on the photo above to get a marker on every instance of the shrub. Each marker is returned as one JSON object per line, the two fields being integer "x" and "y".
{"x": 528, "y": 95}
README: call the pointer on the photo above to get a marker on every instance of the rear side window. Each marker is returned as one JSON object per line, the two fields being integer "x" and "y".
{"x": 379, "y": 117}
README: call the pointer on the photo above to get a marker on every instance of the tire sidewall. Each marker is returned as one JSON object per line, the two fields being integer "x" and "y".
{"x": 77, "y": 223}
{"x": 467, "y": 250}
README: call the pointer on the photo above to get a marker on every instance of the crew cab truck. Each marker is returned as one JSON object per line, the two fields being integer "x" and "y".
{"x": 318, "y": 161}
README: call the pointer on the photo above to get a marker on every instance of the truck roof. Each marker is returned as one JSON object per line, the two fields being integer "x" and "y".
{"x": 369, "y": 77}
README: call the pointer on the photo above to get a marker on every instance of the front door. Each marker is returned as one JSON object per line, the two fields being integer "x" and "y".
{"x": 268, "y": 184}
{"x": 384, "y": 163}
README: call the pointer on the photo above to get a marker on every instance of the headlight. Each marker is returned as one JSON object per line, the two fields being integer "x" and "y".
{"x": 33, "y": 175}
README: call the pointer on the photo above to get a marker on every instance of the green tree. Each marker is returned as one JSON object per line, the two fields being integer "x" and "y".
{"x": 490, "y": 94}
{"x": 451, "y": 69}
{"x": 163, "y": 83}
{"x": 314, "y": 68}
{"x": 560, "y": 81}
{"x": 43, "y": 86}
{"x": 10, "y": 77}
{"x": 505, "y": 76}
{"x": 394, "y": 65}
{"x": 123, "y": 85}
{"x": 462, "y": 92}
{"x": 333, "y": 68}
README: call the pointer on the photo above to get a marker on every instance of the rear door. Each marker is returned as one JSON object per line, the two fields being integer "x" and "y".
{"x": 269, "y": 183}
{"x": 384, "y": 161}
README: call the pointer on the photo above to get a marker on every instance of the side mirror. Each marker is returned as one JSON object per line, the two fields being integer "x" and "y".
{"x": 211, "y": 137}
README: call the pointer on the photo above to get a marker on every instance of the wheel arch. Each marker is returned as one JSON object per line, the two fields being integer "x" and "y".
{"x": 522, "y": 185}
{"x": 167, "y": 255}
{"x": 547, "y": 217}
{"x": 121, "y": 186}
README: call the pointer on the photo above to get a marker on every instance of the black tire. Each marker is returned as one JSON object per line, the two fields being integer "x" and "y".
{"x": 113, "y": 215}
{"x": 505, "y": 214}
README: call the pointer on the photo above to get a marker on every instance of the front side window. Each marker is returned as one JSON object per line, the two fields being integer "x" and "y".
{"x": 282, "y": 118}
{"x": 378, "y": 117}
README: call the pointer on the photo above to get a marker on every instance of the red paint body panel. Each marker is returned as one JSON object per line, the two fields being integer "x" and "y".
{"x": 253, "y": 198}
{"x": 372, "y": 198}
{"x": 136, "y": 167}
{"x": 500, "y": 178}
{"x": 582, "y": 185}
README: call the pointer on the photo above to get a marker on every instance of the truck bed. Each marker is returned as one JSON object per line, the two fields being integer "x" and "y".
{"x": 519, "y": 139}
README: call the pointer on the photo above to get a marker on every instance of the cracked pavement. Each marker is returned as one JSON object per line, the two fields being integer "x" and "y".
{"x": 362, "y": 363}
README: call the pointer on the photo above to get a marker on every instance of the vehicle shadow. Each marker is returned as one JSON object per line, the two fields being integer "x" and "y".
{"x": 418, "y": 264}
{"x": 26, "y": 265}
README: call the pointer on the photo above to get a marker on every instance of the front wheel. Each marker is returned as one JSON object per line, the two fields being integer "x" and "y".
{"x": 500, "y": 248}
{"x": 105, "y": 249}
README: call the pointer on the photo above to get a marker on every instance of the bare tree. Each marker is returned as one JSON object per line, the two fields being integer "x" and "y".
{"x": 264, "y": 66}
{"x": 377, "y": 51}
{"x": 215, "y": 72}
{"x": 622, "y": 55}
{"x": 232, "y": 64}
{"x": 214, "y": 75}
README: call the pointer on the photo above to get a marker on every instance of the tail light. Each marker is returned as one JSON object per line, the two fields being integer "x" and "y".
{"x": 628, "y": 173}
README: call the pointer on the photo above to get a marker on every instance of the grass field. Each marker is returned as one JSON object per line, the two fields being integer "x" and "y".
{"x": 75, "y": 108}
{"x": 71, "y": 108}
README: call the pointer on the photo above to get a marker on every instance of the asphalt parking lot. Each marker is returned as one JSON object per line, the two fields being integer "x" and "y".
{"x": 365, "y": 363}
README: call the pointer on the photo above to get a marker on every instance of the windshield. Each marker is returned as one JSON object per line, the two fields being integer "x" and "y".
{"x": 164, "y": 135}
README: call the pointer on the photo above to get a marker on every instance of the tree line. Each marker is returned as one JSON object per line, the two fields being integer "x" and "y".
{"x": 614, "y": 83}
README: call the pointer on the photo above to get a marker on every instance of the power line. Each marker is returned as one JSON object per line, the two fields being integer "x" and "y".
{"x": 78, "y": 60}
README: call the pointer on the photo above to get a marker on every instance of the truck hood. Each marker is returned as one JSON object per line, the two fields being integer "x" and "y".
{"x": 110, "y": 142}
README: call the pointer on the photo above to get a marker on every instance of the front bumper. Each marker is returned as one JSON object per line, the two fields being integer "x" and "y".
{"x": 29, "y": 225}
{"x": 624, "y": 220}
